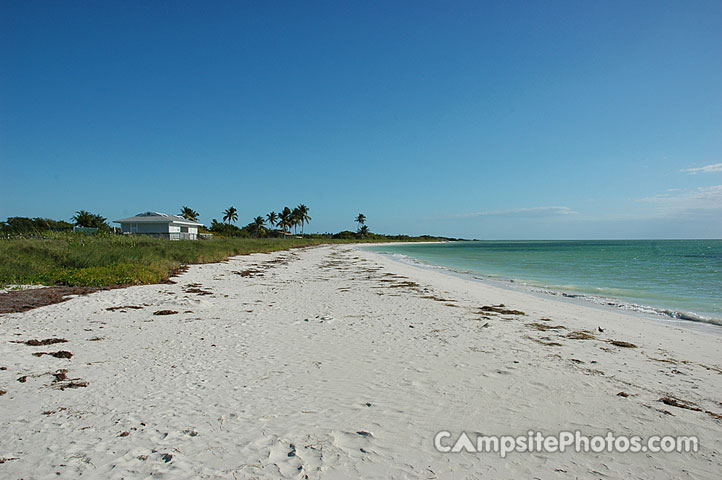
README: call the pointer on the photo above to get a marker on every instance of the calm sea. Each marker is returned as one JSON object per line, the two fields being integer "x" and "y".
{"x": 675, "y": 278}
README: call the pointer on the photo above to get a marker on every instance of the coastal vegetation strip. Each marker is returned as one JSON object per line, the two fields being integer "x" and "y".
{"x": 104, "y": 260}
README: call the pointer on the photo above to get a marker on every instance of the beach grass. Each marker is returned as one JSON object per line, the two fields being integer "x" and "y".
{"x": 82, "y": 260}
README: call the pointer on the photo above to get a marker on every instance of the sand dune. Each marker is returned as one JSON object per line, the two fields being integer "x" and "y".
{"x": 334, "y": 362}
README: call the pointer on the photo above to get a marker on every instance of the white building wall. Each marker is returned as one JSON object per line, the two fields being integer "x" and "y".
{"x": 169, "y": 230}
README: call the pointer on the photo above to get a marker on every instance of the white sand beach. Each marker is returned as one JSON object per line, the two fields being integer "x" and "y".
{"x": 334, "y": 362}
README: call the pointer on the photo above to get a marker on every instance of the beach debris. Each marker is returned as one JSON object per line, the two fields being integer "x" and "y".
{"x": 292, "y": 452}
{"x": 675, "y": 402}
{"x": 368, "y": 404}
{"x": 41, "y": 343}
{"x": 501, "y": 308}
{"x": 28, "y": 299}
{"x": 545, "y": 319}
{"x": 249, "y": 272}
{"x": 600, "y": 329}
{"x": 580, "y": 335}
{"x": 96, "y": 339}
{"x": 71, "y": 384}
{"x": 62, "y": 382}
{"x": 546, "y": 343}
{"x": 619, "y": 343}
{"x": 623, "y": 394}
{"x": 3, "y": 368}
{"x": 486, "y": 325}
{"x": 198, "y": 291}
{"x": 23, "y": 379}
{"x": 436, "y": 299}
{"x": 7, "y": 459}
{"x": 51, "y": 412}
{"x": 165, "y": 312}
{"x": 364, "y": 433}
{"x": 3, "y": 392}
{"x": 407, "y": 284}
{"x": 542, "y": 327}
{"x": 60, "y": 354}
{"x": 124, "y": 434}
{"x": 166, "y": 457}
{"x": 124, "y": 307}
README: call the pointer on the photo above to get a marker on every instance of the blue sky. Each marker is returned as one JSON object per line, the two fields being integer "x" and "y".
{"x": 475, "y": 119}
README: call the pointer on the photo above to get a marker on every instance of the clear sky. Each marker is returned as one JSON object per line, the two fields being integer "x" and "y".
{"x": 479, "y": 119}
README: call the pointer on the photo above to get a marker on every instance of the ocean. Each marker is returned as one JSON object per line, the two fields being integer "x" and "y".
{"x": 679, "y": 279}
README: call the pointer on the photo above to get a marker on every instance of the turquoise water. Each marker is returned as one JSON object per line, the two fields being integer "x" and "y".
{"x": 676, "y": 278}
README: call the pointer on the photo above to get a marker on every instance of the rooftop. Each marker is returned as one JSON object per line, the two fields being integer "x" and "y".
{"x": 156, "y": 217}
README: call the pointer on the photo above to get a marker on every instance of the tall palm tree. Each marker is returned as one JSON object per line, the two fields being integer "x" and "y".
{"x": 285, "y": 219}
{"x": 303, "y": 215}
{"x": 258, "y": 224}
{"x": 272, "y": 219}
{"x": 230, "y": 215}
{"x": 189, "y": 214}
{"x": 295, "y": 219}
{"x": 360, "y": 219}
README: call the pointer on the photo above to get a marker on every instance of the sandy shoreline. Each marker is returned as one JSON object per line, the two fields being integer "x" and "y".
{"x": 335, "y": 362}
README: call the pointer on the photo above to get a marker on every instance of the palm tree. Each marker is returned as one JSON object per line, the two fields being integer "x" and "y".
{"x": 230, "y": 215}
{"x": 285, "y": 219}
{"x": 258, "y": 224}
{"x": 295, "y": 218}
{"x": 360, "y": 219}
{"x": 189, "y": 214}
{"x": 303, "y": 215}
{"x": 83, "y": 218}
{"x": 364, "y": 230}
{"x": 272, "y": 219}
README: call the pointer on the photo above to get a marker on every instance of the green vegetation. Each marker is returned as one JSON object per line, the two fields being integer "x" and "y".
{"x": 69, "y": 259}
{"x": 32, "y": 226}
{"x": 43, "y": 251}
{"x": 97, "y": 260}
{"x": 86, "y": 219}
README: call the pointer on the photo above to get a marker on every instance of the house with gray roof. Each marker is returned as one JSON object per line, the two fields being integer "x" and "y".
{"x": 161, "y": 225}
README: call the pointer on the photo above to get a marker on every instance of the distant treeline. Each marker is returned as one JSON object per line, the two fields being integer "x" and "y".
{"x": 28, "y": 226}
{"x": 23, "y": 226}
{"x": 37, "y": 226}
